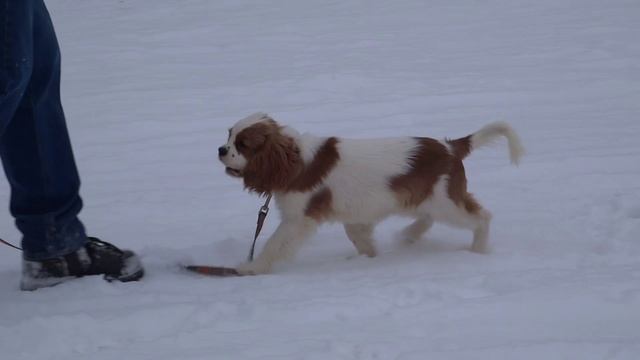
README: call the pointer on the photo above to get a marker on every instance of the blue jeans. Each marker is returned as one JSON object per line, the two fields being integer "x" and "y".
{"x": 34, "y": 143}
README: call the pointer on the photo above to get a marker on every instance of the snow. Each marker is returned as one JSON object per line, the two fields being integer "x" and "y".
{"x": 150, "y": 88}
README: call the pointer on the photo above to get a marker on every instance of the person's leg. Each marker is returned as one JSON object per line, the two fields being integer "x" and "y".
{"x": 35, "y": 148}
{"x": 38, "y": 160}
{"x": 16, "y": 55}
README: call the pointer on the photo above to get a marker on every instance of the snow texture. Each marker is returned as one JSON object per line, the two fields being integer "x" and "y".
{"x": 150, "y": 88}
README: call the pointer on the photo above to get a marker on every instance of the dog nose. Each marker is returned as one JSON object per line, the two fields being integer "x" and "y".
{"x": 223, "y": 150}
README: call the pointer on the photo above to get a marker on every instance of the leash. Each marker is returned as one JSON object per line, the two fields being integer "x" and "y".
{"x": 216, "y": 270}
{"x": 221, "y": 271}
{"x": 10, "y": 244}
{"x": 262, "y": 215}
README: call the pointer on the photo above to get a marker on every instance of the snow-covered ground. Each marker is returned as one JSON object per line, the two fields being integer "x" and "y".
{"x": 150, "y": 87}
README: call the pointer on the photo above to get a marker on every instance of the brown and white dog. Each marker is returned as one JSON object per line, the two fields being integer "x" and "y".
{"x": 356, "y": 182}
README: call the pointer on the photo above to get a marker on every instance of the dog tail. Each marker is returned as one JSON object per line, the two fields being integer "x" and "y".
{"x": 462, "y": 147}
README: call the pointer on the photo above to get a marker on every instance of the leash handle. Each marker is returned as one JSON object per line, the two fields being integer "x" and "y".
{"x": 10, "y": 244}
{"x": 262, "y": 215}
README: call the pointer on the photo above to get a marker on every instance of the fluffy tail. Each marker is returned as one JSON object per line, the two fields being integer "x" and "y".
{"x": 485, "y": 136}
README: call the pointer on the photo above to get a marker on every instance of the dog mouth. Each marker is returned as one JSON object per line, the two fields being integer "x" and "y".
{"x": 233, "y": 172}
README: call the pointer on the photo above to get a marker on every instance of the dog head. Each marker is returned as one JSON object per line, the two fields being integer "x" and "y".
{"x": 260, "y": 152}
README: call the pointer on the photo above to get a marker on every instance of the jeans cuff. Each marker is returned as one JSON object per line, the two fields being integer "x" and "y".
{"x": 55, "y": 243}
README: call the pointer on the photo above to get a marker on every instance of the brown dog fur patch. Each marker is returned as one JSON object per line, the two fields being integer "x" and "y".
{"x": 319, "y": 206}
{"x": 323, "y": 162}
{"x": 457, "y": 188}
{"x": 460, "y": 148}
{"x": 430, "y": 161}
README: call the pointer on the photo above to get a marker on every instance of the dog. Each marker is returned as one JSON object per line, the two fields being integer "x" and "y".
{"x": 358, "y": 182}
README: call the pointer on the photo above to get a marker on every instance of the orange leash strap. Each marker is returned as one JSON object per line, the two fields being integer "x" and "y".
{"x": 213, "y": 270}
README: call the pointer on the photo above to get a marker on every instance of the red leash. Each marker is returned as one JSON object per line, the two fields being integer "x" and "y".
{"x": 213, "y": 270}
{"x": 10, "y": 245}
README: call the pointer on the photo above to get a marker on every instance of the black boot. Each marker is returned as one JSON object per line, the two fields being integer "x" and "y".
{"x": 96, "y": 257}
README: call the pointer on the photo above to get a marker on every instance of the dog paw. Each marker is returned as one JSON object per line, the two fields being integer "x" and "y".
{"x": 406, "y": 238}
{"x": 480, "y": 248}
{"x": 252, "y": 268}
{"x": 371, "y": 254}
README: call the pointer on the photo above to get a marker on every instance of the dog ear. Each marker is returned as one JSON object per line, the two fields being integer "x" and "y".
{"x": 253, "y": 141}
{"x": 275, "y": 164}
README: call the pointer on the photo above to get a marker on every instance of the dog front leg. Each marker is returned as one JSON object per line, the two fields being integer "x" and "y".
{"x": 283, "y": 244}
{"x": 361, "y": 237}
